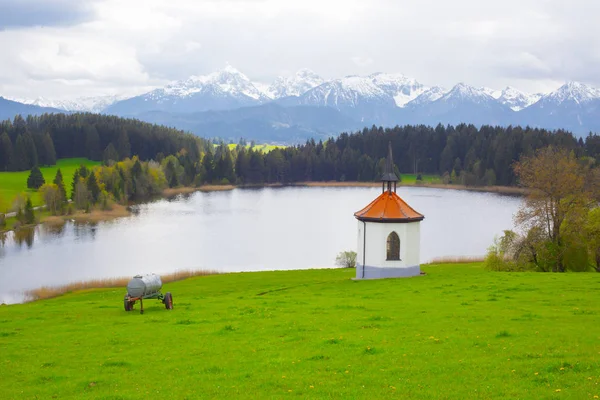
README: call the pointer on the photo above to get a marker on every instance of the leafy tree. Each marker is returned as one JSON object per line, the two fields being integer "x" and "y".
{"x": 81, "y": 195}
{"x": 592, "y": 232}
{"x": 558, "y": 192}
{"x": 52, "y": 198}
{"x": 346, "y": 259}
{"x": 35, "y": 179}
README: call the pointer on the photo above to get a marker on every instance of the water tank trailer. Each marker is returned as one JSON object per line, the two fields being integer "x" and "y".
{"x": 142, "y": 287}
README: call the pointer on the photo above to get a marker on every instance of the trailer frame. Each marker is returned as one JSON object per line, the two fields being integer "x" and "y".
{"x": 166, "y": 299}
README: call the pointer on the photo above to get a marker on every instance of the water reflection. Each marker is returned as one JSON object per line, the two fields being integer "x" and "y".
{"x": 24, "y": 235}
{"x": 54, "y": 229}
{"x": 84, "y": 231}
{"x": 240, "y": 230}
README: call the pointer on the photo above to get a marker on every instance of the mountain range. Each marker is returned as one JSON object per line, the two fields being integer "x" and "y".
{"x": 229, "y": 105}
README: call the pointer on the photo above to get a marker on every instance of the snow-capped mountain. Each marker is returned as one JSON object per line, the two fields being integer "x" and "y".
{"x": 517, "y": 100}
{"x": 228, "y": 81}
{"x": 375, "y": 98}
{"x": 296, "y": 85}
{"x": 428, "y": 96}
{"x": 571, "y": 93}
{"x": 10, "y": 108}
{"x": 227, "y": 102}
{"x": 347, "y": 92}
{"x": 464, "y": 93}
{"x": 400, "y": 87}
{"x": 356, "y": 96}
{"x": 225, "y": 89}
{"x": 574, "y": 106}
{"x": 492, "y": 92}
{"x": 82, "y": 104}
{"x": 463, "y": 103}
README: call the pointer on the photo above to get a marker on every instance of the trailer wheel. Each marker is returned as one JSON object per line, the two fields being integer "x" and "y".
{"x": 168, "y": 301}
{"x": 127, "y": 303}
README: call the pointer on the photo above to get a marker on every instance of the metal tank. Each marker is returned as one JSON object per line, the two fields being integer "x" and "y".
{"x": 144, "y": 285}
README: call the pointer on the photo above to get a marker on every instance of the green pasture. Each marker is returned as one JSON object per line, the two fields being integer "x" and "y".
{"x": 13, "y": 183}
{"x": 411, "y": 179}
{"x": 459, "y": 332}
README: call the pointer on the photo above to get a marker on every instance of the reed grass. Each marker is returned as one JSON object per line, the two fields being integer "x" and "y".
{"x": 48, "y": 292}
{"x": 455, "y": 260}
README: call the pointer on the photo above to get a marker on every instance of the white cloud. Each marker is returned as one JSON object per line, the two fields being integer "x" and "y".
{"x": 133, "y": 45}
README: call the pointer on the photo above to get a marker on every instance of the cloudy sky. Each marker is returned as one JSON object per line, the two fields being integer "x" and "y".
{"x": 70, "y": 48}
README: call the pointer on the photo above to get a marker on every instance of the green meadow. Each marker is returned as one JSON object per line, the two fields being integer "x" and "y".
{"x": 411, "y": 179}
{"x": 14, "y": 183}
{"x": 265, "y": 148}
{"x": 458, "y": 332}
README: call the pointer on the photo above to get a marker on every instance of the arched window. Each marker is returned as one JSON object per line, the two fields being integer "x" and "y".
{"x": 393, "y": 246}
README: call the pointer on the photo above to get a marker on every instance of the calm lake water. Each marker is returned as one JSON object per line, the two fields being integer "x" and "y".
{"x": 241, "y": 230}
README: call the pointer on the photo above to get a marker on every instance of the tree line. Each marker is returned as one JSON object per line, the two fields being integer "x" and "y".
{"x": 41, "y": 140}
{"x": 462, "y": 154}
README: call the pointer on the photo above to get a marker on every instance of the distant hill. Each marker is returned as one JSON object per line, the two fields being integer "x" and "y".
{"x": 265, "y": 123}
{"x": 9, "y": 108}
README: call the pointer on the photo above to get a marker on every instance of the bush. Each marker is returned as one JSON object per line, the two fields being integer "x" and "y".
{"x": 346, "y": 259}
{"x": 2, "y": 221}
{"x": 508, "y": 254}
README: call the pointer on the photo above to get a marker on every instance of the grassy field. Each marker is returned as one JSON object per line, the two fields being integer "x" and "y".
{"x": 265, "y": 148}
{"x": 411, "y": 179}
{"x": 457, "y": 333}
{"x": 13, "y": 183}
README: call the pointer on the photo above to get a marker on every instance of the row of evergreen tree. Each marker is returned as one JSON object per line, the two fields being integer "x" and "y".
{"x": 41, "y": 140}
{"x": 462, "y": 154}
{"x": 465, "y": 153}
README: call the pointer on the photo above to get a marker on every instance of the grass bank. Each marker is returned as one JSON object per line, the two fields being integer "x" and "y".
{"x": 14, "y": 183}
{"x": 458, "y": 332}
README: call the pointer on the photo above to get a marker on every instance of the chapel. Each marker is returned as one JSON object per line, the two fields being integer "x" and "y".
{"x": 389, "y": 233}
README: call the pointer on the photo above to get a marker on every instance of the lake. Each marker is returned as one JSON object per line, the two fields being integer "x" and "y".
{"x": 241, "y": 230}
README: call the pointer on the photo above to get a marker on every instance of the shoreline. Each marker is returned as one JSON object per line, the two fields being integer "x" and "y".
{"x": 49, "y": 292}
{"x": 120, "y": 211}
{"x": 46, "y": 292}
{"x": 510, "y": 190}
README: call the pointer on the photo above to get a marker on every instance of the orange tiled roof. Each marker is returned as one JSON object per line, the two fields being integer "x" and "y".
{"x": 388, "y": 207}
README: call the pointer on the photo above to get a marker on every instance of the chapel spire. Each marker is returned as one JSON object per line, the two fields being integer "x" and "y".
{"x": 389, "y": 176}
